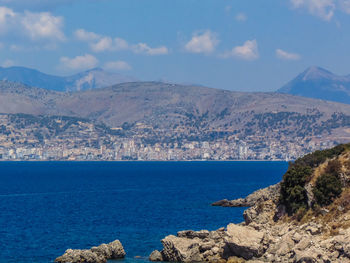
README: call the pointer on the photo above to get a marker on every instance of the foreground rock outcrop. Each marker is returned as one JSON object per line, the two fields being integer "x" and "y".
{"x": 305, "y": 218}
{"x": 260, "y": 239}
{"x": 100, "y": 254}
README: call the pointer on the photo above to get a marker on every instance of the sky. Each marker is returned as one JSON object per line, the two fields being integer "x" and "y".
{"x": 244, "y": 45}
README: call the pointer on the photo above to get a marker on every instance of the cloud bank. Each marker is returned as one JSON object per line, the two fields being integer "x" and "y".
{"x": 99, "y": 43}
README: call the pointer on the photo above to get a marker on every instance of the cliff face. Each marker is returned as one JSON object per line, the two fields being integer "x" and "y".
{"x": 307, "y": 219}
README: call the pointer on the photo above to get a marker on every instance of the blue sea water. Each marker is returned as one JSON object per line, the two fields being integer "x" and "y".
{"x": 47, "y": 207}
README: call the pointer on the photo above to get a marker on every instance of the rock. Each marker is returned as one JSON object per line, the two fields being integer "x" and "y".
{"x": 303, "y": 244}
{"x": 305, "y": 257}
{"x": 268, "y": 193}
{"x": 193, "y": 234}
{"x": 235, "y": 260}
{"x": 224, "y": 203}
{"x": 297, "y": 237}
{"x": 100, "y": 254}
{"x": 244, "y": 241}
{"x": 286, "y": 245}
{"x": 313, "y": 230}
{"x": 156, "y": 256}
{"x": 180, "y": 249}
{"x": 261, "y": 213}
{"x": 80, "y": 256}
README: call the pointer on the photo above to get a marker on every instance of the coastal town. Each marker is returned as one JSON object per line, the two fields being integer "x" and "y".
{"x": 43, "y": 138}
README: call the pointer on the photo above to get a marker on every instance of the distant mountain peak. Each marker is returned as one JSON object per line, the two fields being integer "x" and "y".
{"x": 315, "y": 72}
{"x": 90, "y": 79}
{"x": 319, "y": 83}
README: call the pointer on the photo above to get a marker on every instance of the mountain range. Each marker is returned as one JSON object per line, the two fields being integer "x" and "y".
{"x": 91, "y": 79}
{"x": 316, "y": 82}
{"x": 177, "y": 109}
{"x": 193, "y": 112}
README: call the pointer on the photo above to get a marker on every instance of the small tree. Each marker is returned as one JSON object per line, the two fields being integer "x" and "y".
{"x": 327, "y": 188}
{"x": 293, "y": 193}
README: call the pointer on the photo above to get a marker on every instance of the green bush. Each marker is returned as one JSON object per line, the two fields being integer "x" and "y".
{"x": 293, "y": 194}
{"x": 333, "y": 167}
{"x": 327, "y": 188}
{"x": 316, "y": 158}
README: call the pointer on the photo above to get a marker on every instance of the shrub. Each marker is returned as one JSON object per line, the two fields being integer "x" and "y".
{"x": 316, "y": 158}
{"x": 333, "y": 168}
{"x": 327, "y": 188}
{"x": 293, "y": 195}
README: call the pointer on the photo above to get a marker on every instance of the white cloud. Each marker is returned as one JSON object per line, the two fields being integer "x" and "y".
{"x": 321, "y": 8}
{"x": 248, "y": 51}
{"x": 281, "y": 54}
{"x": 99, "y": 43}
{"x": 103, "y": 44}
{"x": 344, "y": 5}
{"x": 83, "y": 35}
{"x": 36, "y": 26}
{"x": 241, "y": 17}
{"x": 8, "y": 63}
{"x": 43, "y": 25}
{"x": 117, "y": 65}
{"x": 109, "y": 44}
{"x": 6, "y": 16}
{"x": 205, "y": 42}
{"x": 143, "y": 48}
{"x": 79, "y": 63}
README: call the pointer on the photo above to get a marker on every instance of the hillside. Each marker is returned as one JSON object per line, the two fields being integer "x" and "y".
{"x": 247, "y": 125}
{"x": 305, "y": 218}
{"x": 91, "y": 79}
{"x": 316, "y": 82}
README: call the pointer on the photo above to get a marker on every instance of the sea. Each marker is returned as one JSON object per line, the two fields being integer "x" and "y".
{"x": 48, "y": 207}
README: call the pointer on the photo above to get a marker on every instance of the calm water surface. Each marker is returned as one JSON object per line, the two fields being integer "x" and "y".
{"x": 47, "y": 207}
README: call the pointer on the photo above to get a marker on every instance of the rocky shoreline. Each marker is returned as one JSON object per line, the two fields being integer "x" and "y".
{"x": 259, "y": 239}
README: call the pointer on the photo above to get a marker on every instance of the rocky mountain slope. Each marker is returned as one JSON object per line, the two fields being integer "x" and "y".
{"x": 316, "y": 82}
{"x": 91, "y": 79}
{"x": 169, "y": 106}
{"x": 307, "y": 220}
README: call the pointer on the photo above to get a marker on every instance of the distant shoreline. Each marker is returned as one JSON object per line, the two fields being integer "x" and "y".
{"x": 136, "y": 161}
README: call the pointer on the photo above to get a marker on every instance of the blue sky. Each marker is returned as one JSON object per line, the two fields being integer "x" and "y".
{"x": 241, "y": 45}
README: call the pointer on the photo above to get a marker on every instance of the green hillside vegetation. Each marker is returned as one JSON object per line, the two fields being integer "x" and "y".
{"x": 326, "y": 186}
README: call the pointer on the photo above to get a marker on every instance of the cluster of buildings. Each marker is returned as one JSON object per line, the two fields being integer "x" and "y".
{"x": 129, "y": 149}
{"x": 53, "y": 138}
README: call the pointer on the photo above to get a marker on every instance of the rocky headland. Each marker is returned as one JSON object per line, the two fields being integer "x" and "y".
{"x": 100, "y": 254}
{"x": 305, "y": 218}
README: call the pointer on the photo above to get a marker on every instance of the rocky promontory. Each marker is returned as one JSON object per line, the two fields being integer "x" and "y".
{"x": 268, "y": 193}
{"x": 305, "y": 218}
{"x": 100, "y": 254}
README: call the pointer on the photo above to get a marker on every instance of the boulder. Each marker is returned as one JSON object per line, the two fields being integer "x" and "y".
{"x": 243, "y": 241}
{"x": 156, "y": 256}
{"x": 305, "y": 257}
{"x": 100, "y": 254}
{"x": 180, "y": 249}
{"x": 80, "y": 256}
